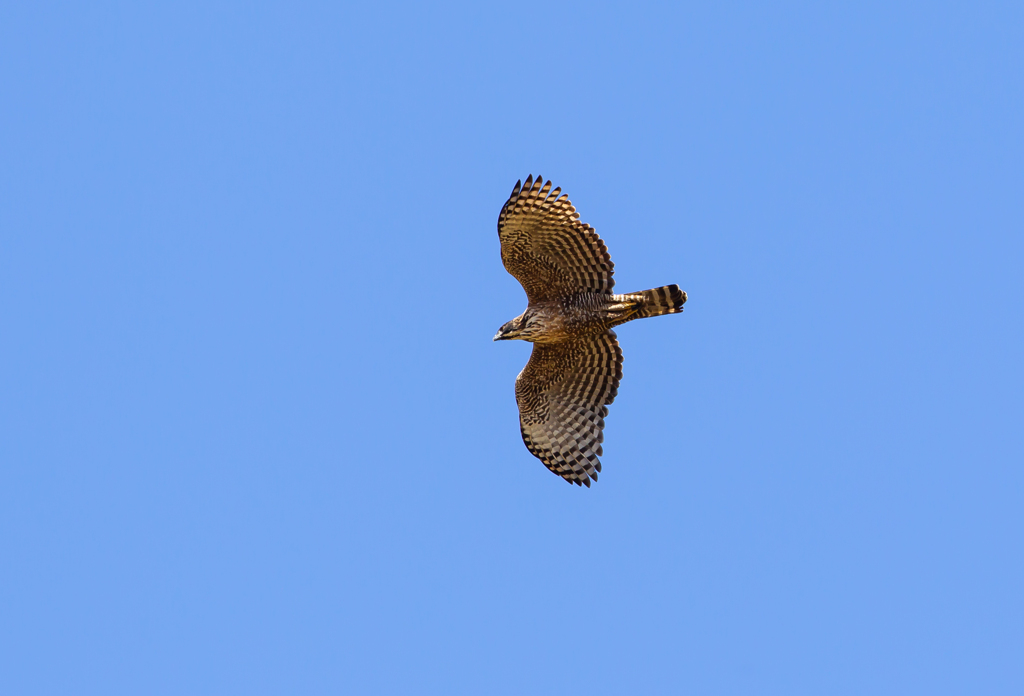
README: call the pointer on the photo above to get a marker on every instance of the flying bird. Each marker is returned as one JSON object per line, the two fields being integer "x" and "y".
{"x": 574, "y": 371}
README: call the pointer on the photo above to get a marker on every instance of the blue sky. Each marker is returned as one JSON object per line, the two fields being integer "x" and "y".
{"x": 255, "y": 436}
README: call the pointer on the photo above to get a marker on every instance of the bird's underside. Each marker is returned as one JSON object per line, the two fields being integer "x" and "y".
{"x": 574, "y": 371}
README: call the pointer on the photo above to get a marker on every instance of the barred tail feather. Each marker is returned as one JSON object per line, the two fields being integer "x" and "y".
{"x": 668, "y": 299}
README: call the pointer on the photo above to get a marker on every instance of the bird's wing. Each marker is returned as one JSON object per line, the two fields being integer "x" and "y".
{"x": 546, "y": 247}
{"x": 563, "y": 396}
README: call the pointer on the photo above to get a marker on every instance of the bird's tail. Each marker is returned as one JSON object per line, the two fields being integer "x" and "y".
{"x": 668, "y": 299}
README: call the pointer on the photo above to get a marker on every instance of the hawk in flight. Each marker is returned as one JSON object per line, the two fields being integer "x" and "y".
{"x": 573, "y": 374}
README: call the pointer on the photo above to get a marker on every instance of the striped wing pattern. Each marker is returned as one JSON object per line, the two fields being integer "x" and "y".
{"x": 546, "y": 247}
{"x": 563, "y": 396}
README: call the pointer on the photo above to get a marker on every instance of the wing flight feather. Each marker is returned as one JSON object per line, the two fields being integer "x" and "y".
{"x": 546, "y": 247}
{"x": 563, "y": 395}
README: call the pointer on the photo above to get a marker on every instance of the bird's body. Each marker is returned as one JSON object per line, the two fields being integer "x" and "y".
{"x": 574, "y": 316}
{"x": 574, "y": 371}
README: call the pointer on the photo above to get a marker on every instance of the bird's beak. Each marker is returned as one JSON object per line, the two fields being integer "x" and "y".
{"x": 504, "y": 334}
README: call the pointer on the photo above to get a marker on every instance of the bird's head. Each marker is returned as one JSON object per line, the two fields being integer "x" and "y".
{"x": 519, "y": 328}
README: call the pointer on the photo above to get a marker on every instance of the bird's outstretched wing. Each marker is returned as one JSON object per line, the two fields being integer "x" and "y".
{"x": 546, "y": 247}
{"x": 563, "y": 396}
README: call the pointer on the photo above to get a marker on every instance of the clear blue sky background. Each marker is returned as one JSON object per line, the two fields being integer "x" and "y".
{"x": 256, "y": 438}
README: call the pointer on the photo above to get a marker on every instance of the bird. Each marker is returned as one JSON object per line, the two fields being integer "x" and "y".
{"x": 574, "y": 370}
